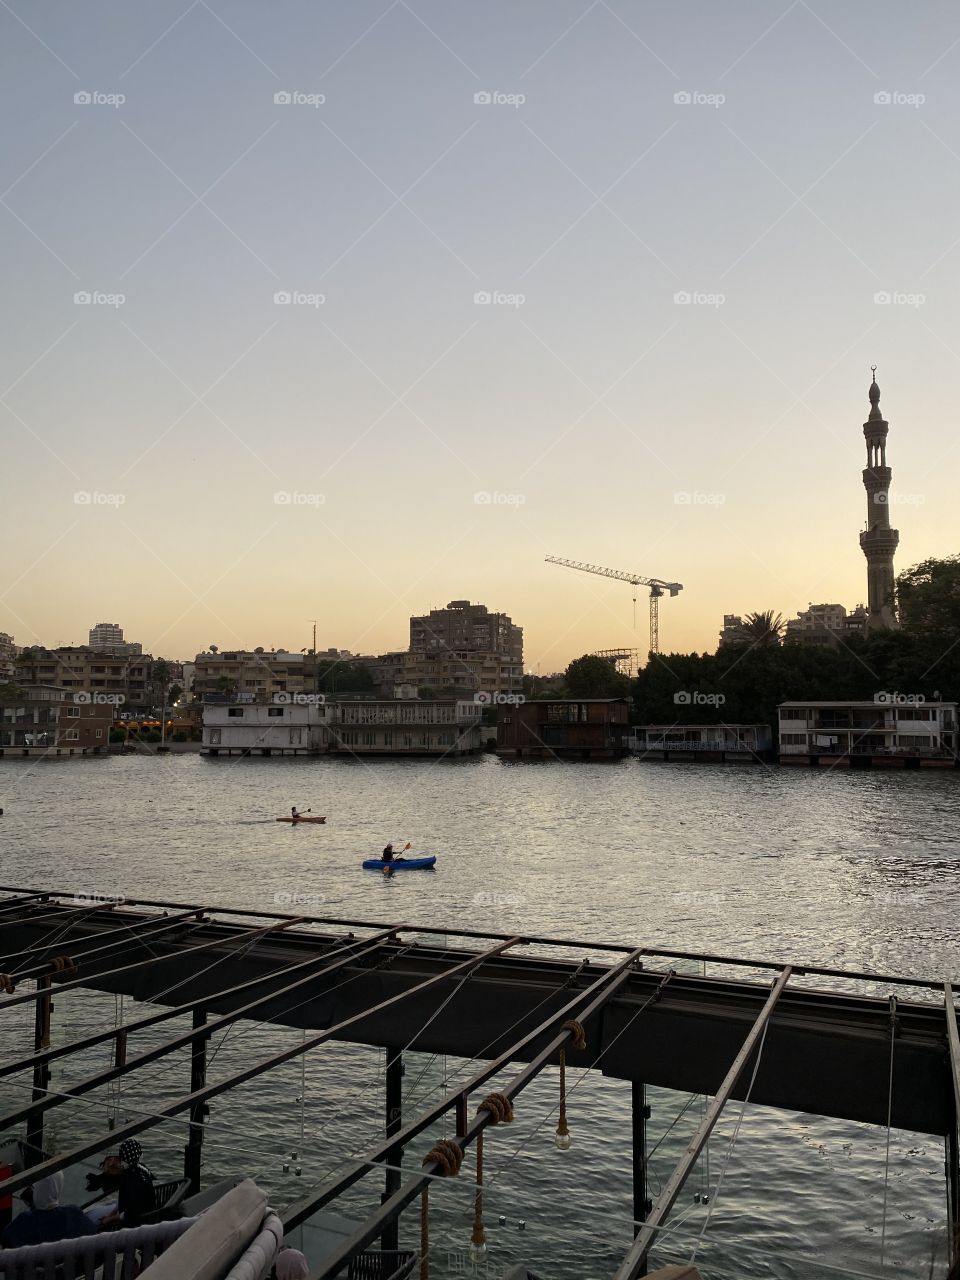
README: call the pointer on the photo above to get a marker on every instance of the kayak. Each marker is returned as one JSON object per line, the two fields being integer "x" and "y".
{"x": 400, "y": 864}
{"x": 303, "y": 818}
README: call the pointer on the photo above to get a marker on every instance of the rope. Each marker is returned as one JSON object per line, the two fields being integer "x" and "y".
{"x": 447, "y": 1155}
{"x": 499, "y": 1106}
{"x": 478, "y": 1237}
{"x": 7, "y": 984}
{"x": 64, "y": 966}
{"x": 886, "y": 1162}
{"x": 562, "y": 1129}
{"x": 579, "y": 1035}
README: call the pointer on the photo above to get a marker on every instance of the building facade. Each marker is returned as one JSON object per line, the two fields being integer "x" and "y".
{"x": 705, "y": 743}
{"x": 581, "y": 728}
{"x": 107, "y": 637}
{"x": 825, "y": 624}
{"x": 255, "y": 674}
{"x": 878, "y": 541}
{"x": 303, "y": 724}
{"x": 8, "y": 655}
{"x": 891, "y": 731}
{"x": 50, "y": 720}
{"x": 124, "y": 678}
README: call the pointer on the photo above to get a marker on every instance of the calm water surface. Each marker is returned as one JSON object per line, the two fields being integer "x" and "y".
{"x": 849, "y": 869}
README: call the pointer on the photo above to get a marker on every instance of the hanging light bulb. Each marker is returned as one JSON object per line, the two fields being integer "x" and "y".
{"x": 562, "y": 1139}
{"x": 477, "y": 1252}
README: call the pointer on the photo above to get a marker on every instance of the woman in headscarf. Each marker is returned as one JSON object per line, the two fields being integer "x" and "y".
{"x": 291, "y": 1265}
{"x": 134, "y": 1189}
{"x": 48, "y": 1220}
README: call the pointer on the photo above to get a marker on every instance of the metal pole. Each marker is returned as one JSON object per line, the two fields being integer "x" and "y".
{"x": 953, "y": 1137}
{"x": 41, "y": 1072}
{"x": 193, "y": 1151}
{"x": 641, "y": 1114}
{"x": 394, "y": 1122}
{"x": 635, "y": 1263}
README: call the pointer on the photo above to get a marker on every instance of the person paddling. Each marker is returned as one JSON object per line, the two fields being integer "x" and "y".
{"x": 293, "y": 811}
{"x": 387, "y": 854}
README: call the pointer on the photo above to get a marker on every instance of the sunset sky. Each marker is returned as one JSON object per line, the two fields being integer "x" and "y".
{"x": 202, "y": 463}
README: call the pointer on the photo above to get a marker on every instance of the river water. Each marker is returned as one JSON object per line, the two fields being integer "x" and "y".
{"x": 859, "y": 870}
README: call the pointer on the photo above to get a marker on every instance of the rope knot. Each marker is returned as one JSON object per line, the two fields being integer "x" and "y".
{"x": 7, "y": 984}
{"x": 499, "y": 1106}
{"x": 448, "y": 1155}
{"x": 64, "y": 966}
{"x": 579, "y": 1035}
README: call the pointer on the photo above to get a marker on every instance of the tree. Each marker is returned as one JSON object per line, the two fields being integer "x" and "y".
{"x": 764, "y": 627}
{"x": 593, "y": 677}
{"x": 10, "y": 692}
{"x": 928, "y": 598}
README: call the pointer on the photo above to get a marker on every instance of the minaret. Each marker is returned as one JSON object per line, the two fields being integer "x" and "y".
{"x": 878, "y": 541}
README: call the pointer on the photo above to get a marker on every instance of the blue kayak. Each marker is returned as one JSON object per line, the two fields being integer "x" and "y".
{"x": 400, "y": 864}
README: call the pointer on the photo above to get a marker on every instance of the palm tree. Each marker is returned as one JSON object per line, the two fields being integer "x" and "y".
{"x": 765, "y": 627}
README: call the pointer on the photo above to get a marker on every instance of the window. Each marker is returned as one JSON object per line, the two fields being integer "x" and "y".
{"x": 214, "y": 737}
{"x": 73, "y": 713}
{"x": 234, "y": 711}
{"x": 72, "y": 735}
{"x": 99, "y": 733}
{"x": 274, "y": 711}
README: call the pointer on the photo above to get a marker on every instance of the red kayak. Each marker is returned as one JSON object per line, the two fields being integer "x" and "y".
{"x": 303, "y": 817}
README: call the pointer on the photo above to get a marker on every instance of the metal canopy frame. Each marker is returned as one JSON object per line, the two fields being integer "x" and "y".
{"x": 137, "y": 944}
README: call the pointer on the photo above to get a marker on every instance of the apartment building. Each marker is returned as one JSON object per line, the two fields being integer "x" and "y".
{"x": 47, "y": 719}
{"x": 8, "y": 654}
{"x": 582, "y": 728}
{"x": 825, "y": 624}
{"x": 126, "y": 678}
{"x": 893, "y": 730}
{"x": 107, "y": 637}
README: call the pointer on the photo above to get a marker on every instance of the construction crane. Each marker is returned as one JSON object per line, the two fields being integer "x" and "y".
{"x": 657, "y": 588}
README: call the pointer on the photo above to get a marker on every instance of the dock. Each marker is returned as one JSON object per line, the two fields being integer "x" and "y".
{"x": 881, "y": 1049}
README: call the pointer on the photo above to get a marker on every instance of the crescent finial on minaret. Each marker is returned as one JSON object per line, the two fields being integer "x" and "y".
{"x": 874, "y": 394}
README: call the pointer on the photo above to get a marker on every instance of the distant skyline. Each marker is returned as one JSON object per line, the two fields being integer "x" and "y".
{"x": 290, "y": 291}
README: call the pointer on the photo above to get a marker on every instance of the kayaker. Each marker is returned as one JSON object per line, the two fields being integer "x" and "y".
{"x": 387, "y": 854}
{"x": 293, "y": 811}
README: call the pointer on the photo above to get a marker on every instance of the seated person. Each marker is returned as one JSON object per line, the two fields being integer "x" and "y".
{"x": 48, "y": 1220}
{"x": 388, "y": 854}
{"x": 135, "y": 1197}
{"x": 107, "y": 1180}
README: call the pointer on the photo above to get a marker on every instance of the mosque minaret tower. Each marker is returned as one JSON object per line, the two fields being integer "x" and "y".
{"x": 878, "y": 541}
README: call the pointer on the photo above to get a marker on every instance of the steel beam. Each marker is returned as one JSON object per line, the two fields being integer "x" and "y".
{"x": 41, "y": 1073}
{"x": 182, "y": 1104}
{"x": 953, "y": 1137}
{"x": 392, "y": 1208}
{"x": 188, "y": 1037}
{"x": 640, "y": 1113}
{"x": 394, "y": 1123}
{"x": 304, "y": 1208}
{"x": 635, "y": 1262}
{"x": 193, "y": 1152}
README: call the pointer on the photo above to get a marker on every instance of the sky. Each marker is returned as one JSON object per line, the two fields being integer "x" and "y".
{"x": 343, "y": 311}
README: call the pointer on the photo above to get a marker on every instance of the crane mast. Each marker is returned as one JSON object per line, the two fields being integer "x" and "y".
{"x": 657, "y": 588}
